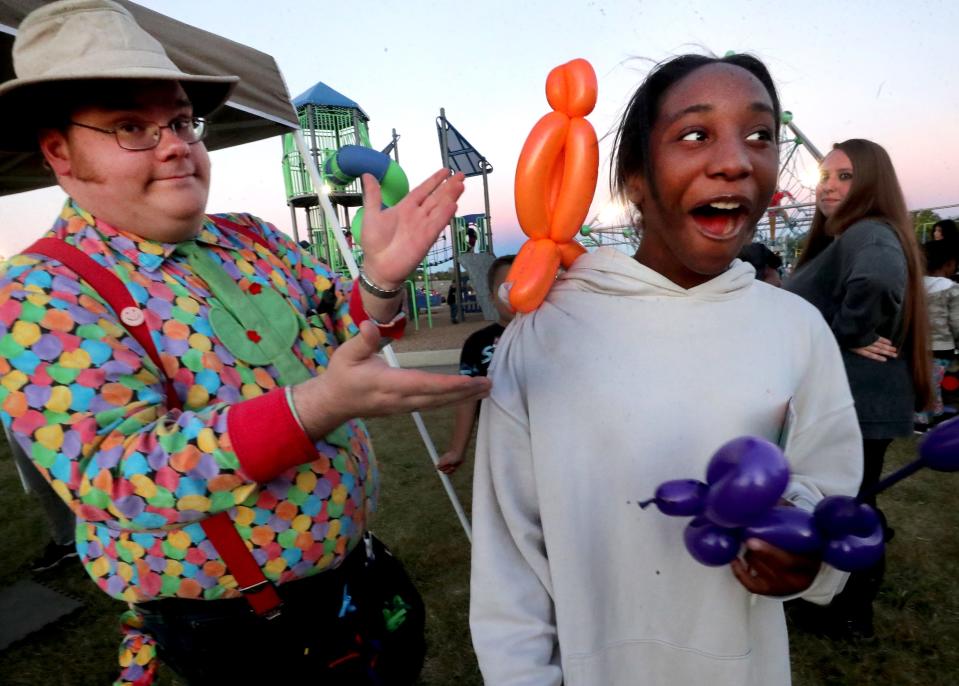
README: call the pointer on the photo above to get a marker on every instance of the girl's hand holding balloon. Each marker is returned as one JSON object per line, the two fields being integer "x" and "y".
{"x": 765, "y": 569}
{"x": 782, "y": 555}
{"x": 740, "y": 504}
{"x": 784, "y": 546}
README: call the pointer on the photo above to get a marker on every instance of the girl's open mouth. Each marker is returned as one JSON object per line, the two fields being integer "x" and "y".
{"x": 720, "y": 219}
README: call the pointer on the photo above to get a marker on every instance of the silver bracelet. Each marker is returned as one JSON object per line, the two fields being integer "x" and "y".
{"x": 288, "y": 392}
{"x": 373, "y": 289}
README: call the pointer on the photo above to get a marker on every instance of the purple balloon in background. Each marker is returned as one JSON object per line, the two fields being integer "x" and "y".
{"x": 841, "y": 515}
{"x": 711, "y": 545}
{"x": 680, "y": 497}
{"x": 788, "y": 528}
{"x": 747, "y": 476}
{"x": 854, "y": 553}
{"x": 939, "y": 448}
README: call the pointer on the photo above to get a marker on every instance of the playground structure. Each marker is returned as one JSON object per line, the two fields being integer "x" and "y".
{"x": 329, "y": 121}
{"x": 598, "y": 233}
{"x": 471, "y": 245}
{"x": 332, "y": 123}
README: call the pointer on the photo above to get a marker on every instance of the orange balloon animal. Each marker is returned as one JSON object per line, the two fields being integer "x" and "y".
{"x": 555, "y": 180}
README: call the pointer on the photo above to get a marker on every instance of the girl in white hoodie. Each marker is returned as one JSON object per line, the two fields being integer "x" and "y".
{"x": 633, "y": 372}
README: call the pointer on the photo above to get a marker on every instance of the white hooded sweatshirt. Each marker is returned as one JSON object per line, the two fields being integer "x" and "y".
{"x": 619, "y": 381}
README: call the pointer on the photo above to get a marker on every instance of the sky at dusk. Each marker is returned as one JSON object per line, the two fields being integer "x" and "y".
{"x": 887, "y": 70}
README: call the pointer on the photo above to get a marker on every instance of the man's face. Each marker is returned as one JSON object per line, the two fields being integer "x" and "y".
{"x": 159, "y": 194}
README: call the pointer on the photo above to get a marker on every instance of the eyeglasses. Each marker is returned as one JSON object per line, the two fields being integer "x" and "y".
{"x": 133, "y": 135}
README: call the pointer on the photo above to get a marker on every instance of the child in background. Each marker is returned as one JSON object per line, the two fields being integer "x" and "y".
{"x": 632, "y": 372}
{"x": 946, "y": 230}
{"x": 474, "y": 361}
{"x": 942, "y": 299}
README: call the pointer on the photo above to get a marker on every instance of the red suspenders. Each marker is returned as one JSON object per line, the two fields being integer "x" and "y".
{"x": 111, "y": 289}
{"x": 256, "y": 588}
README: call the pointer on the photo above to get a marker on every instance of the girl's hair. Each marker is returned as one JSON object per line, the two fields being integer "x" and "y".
{"x": 632, "y": 141}
{"x": 875, "y": 193}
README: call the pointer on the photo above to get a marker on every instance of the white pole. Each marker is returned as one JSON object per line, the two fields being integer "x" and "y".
{"x": 434, "y": 456}
{"x": 347, "y": 252}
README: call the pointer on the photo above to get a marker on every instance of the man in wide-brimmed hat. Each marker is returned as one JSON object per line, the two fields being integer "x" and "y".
{"x": 197, "y": 414}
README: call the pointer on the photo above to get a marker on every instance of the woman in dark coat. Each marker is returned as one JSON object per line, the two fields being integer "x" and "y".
{"x": 862, "y": 268}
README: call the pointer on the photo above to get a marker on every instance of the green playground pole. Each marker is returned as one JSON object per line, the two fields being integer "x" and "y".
{"x": 414, "y": 311}
{"x": 426, "y": 292}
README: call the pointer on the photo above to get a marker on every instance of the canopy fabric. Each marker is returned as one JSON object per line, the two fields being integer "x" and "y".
{"x": 259, "y": 107}
{"x": 323, "y": 95}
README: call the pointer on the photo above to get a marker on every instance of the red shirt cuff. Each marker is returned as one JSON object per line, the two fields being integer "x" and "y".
{"x": 266, "y": 437}
{"x": 393, "y": 329}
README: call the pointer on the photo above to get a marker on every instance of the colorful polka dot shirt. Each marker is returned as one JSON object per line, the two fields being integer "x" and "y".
{"x": 84, "y": 400}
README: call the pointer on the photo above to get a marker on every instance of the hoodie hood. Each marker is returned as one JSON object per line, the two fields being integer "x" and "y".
{"x": 936, "y": 284}
{"x": 612, "y": 272}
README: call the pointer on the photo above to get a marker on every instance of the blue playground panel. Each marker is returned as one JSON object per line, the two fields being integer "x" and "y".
{"x": 470, "y": 303}
{"x": 435, "y": 300}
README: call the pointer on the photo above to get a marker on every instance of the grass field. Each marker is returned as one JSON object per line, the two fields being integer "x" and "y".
{"x": 917, "y": 621}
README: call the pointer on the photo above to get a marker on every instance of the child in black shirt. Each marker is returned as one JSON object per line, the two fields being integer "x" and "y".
{"x": 474, "y": 361}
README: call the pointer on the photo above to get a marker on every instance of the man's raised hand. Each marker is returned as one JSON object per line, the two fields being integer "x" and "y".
{"x": 396, "y": 240}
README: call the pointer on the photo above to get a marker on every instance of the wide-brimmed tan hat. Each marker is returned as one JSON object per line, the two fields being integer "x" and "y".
{"x": 86, "y": 40}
